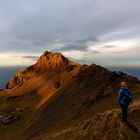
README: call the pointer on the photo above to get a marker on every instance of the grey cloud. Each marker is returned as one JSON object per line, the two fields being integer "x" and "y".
{"x": 33, "y": 58}
{"x": 86, "y": 40}
{"x": 33, "y": 26}
{"x": 96, "y": 52}
{"x": 30, "y": 57}
{"x": 74, "y": 46}
{"x": 80, "y": 44}
{"x": 42, "y": 26}
{"x": 109, "y": 46}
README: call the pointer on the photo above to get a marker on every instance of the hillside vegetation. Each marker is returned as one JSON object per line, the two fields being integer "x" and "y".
{"x": 59, "y": 99}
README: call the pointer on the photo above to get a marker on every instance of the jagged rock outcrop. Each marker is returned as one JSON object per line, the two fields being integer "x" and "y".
{"x": 51, "y": 60}
{"x": 48, "y": 61}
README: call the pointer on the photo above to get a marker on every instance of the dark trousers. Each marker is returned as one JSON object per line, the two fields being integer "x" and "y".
{"x": 124, "y": 112}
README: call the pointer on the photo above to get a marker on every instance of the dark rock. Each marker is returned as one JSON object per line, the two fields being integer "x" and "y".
{"x": 9, "y": 119}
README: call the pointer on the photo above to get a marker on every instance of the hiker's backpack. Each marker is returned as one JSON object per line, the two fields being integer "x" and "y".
{"x": 128, "y": 96}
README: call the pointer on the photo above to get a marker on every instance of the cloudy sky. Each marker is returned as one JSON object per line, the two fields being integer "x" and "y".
{"x": 106, "y": 32}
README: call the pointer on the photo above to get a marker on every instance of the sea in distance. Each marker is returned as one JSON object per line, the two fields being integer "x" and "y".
{"x": 7, "y": 73}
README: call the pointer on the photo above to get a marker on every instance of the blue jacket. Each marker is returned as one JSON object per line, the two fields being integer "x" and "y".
{"x": 124, "y": 96}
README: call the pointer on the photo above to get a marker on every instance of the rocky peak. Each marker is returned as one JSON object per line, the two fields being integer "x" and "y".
{"x": 46, "y": 62}
{"x": 52, "y": 60}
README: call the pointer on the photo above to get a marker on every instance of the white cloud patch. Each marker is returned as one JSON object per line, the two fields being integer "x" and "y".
{"x": 11, "y": 59}
{"x": 118, "y": 47}
{"x": 77, "y": 55}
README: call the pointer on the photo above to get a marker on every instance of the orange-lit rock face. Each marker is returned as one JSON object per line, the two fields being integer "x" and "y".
{"x": 51, "y": 72}
{"x": 52, "y": 60}
{"x": 47, "y": 62}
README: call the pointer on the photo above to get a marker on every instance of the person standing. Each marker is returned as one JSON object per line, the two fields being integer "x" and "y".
{"x": 124, "y": 98}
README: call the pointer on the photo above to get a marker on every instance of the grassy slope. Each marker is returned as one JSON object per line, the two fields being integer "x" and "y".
{"x": 65, "y": 108}
{"x": 27, "y": 99}
{"x": 103, "y": 126}
{"x": 92, "y": 91}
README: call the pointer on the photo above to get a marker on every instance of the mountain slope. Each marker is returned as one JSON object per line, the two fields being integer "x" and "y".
{"x": 51, "y": 72}
{"x": 107, "y": 125}
{"x": 85, "y": 96}
{"x": 55, "y": 94}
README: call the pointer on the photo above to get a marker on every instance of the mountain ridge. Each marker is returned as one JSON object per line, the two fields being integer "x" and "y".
{"x": 56, "y": 93}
